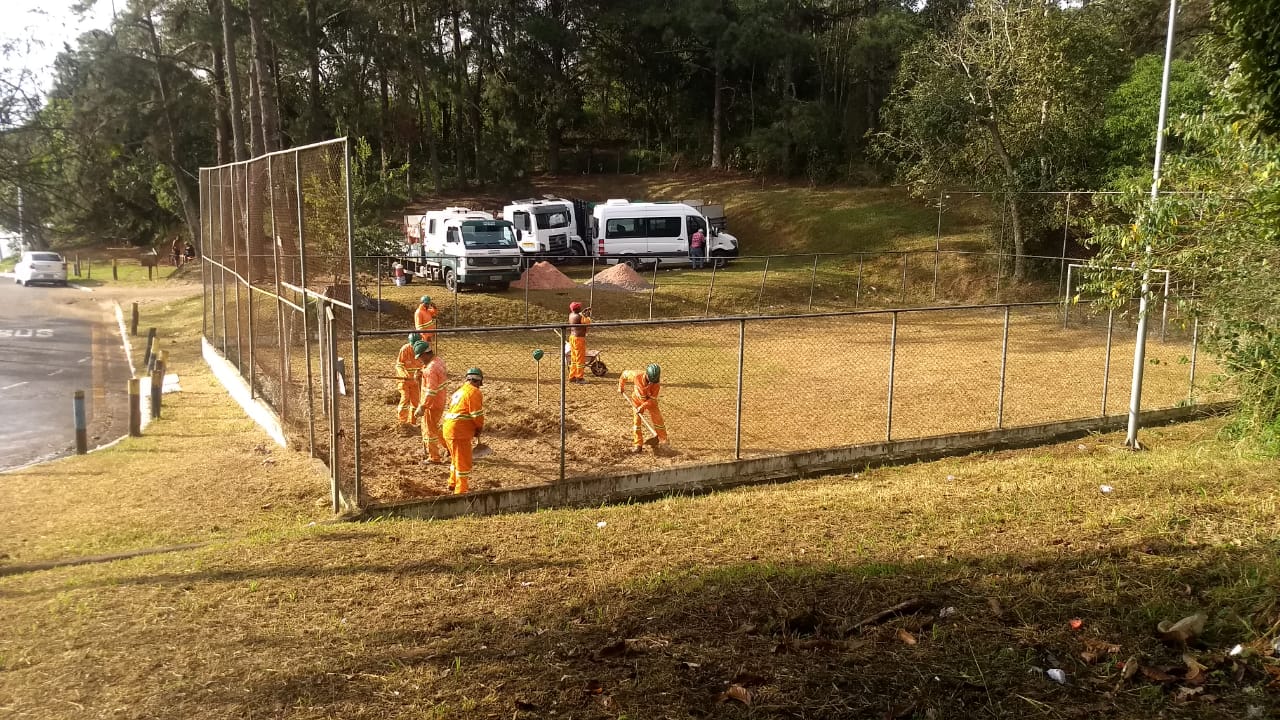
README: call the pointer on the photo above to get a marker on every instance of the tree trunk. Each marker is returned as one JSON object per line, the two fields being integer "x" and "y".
{"x": 1011, "y": 175}
{"x": 460, "y": 96}
{"x": 316, "y": 123}
{"x": 717, "y": 161}
{"x": 181, "y": 181}
{"x": 255, "y": 118}
{"x": 222, "y": 125}
{"x": 233, "y": 81}
{"x": 1019, "y": 242}
{"x": 266, "y": 84}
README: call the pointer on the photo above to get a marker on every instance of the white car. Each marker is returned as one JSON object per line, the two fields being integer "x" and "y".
{"x": 40, "y": 266}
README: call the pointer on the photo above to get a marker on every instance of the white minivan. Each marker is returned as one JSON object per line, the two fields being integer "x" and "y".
{"x": 640, "y": 233}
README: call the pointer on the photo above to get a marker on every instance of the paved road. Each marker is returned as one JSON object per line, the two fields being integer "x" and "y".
{"x": 54, "y": 341}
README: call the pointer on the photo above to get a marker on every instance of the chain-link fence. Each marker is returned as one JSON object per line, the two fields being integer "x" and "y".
{"x": 755, "y": 386}
{"x": 278, "y": 273}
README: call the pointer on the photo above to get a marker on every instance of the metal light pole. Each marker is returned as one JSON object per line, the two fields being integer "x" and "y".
{"x": 1140, "y": 345}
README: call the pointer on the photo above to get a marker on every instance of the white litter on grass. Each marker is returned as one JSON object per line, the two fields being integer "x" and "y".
{"x": 1081, "y": 447}
{"x": 1236, "y": 651}
{"x": 602, "y": 524}
{"x": 951, "y": 477}
{"x": 947, "y": 612}
{"x": 1105, "y": 489}
{"x": 1275, "y": 645}
{"x": 1056, "y": 675}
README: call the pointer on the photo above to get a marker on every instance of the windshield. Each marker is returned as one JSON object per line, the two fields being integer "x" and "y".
{"x": 488, "y": 234}
{"x": 548, "y": 220}
{"x": 46, "y": 257}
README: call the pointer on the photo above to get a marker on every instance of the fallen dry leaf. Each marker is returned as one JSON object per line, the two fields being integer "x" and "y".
{"x": 1187, "y": 694}
{"x": 1183, "y": 631}
{"x": 1196, "y": 674}
{"x": 1130, "y": 668}
{"x": 1157, "y": 675}
{"x": 736, "y": 692}
{"x": 906, "y": 637}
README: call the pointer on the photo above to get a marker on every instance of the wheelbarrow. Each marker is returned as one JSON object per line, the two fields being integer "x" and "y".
{"x": 594, "y": 363}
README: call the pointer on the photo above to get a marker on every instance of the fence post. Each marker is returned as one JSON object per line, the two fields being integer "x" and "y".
{"x": 813, "y": 280}
{"x": 903, "y": 298}
{"x": 80, "y": 419}
{"x": 893, "y": 359}
{"x": 710, "y": 289}
{"x": 763, "y": 279}
{"x": 653, "y": 287}
{"x": 857, "y": 292}
{"x": 157, "y": 388}
{"x": 1106, "y": 363}
{"x": 77, "y": 265}
{"x": 591, "y": 291}
{"x": 115, "y": 271}
{"x": 937, "y": 247}
{"x": 379, "y": 310}
{"x": 306, "y": 326}
{"x": 564, "y": 383}
{"x": 1164, "y": 308}
{"x": 1004, "y": 366}
{"x": 742, "y": 353}
{"x": 1195, "y": 346}
{"x": 135, "y": 407}
{"x": 1066, "y": 227}
{"x": 133, "y": 321}
{"x": 527, "y": 280}
{"x": 151, "y": 341}
{"x": 330, "y": 381}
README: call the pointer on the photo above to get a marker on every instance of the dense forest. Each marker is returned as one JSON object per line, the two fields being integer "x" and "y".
{"x": 463, "y": 92}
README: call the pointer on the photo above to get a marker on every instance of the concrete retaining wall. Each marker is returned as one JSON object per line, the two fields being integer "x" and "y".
{"x": 260, "y": 412}
{"x": 705, "y": 478}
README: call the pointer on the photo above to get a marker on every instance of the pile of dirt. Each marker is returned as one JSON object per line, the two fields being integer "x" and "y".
{"x": 544, "y": 276}
{"x": 620, "y": 277}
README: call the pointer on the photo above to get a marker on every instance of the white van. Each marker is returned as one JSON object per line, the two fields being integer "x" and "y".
{"x": 639, "y": 233}
{"x": 458, "y": 247}
{"x": 550, "y": 226}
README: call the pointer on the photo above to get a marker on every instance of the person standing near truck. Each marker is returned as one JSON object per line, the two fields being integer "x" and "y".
{"x": 463, "y": 421}
{"x": 579, "y": 319}
{"x": 697, "y": 248}
{"x": 424, "y": 320}
{"x": 644, "y": 399}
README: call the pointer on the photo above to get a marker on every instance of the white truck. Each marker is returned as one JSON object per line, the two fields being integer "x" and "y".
{"x": 642, "y": 233}
{"x": 550, "y": 225}
{"x": 461, "y": 247}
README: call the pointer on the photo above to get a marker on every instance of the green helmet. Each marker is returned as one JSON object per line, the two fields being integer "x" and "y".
{"x": 421, "y": 348}
{"x": 475, "y": 373}
{"x": 414, "y": 337}
{"x": 653, "y": 373}
{"x": 425, "y": 299}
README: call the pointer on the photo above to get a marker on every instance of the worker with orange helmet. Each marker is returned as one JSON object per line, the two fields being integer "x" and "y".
{"x": 644, "y": 399}
{"x": 424, "y": 319}
{"x": 408, "y": 370}
{"x": 431, "y": 405}
{"x": 579, "y": 319}
{"x": 463, "y": 421}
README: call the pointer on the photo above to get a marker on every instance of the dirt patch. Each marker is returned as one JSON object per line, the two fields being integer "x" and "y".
{"x": 620, "y": 277}
{"x": 544, "y": 276}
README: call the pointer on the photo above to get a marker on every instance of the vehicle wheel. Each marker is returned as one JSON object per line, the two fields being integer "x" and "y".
{"x": 632, "y": 261}
{"x": 579, "y": 250}
{"x": 599, "y": 369}
{"x": 450, "y": 280}
{"x": 719, "y": 259}
{"x": 17, "y": 281}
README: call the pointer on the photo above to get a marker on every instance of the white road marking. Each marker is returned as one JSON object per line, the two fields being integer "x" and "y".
{"x": 81, "y": 288}
{"x": 10, "y": 387}
{"x": 84, "y": 359}
{"x": 57, "y": 372}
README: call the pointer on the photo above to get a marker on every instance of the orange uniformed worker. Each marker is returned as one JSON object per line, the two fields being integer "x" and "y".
{"x": 579, "y": 319}
{"x": 431, "y": 406}
{"x": 463, "y": 420}
{"x": 644, "y": 399}
{"x": 408, "y": 369}
{"x": 424, "y": 319}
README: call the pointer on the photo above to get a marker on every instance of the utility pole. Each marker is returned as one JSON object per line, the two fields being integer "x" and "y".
{"x": 1140, "y": 345}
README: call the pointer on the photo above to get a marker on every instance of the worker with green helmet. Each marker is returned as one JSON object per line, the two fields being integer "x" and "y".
{"x": 644, "y": 400}
{"x": 431, "y": 400}
{"x": 463, "y": 422}
{"x": 409, "y": 366}
{"x": 424, "y": 319}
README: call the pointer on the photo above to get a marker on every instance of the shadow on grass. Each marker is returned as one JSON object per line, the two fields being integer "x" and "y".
{"x": 669, "y": 644}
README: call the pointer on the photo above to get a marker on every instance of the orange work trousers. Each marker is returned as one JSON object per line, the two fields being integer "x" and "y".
{"x": 577, "y": 358}
{"x": 409, "y": 390}
{"x": 459, "y": 463}
{"x": 655, "y": 419}
{"x": 431, "y": 436}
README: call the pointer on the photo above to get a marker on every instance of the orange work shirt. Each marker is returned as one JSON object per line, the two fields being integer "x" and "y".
{"x": 407, "y": 366}
{"x": 645, "y": 394}
{"x": 465, "y": 414}
{"x": 434, "y": 377}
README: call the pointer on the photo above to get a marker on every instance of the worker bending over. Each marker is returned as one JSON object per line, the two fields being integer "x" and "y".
{"x": 424, "y": 320}
{"x": 408, "y": 369}
{"x": 431, "y": 406}
{"x": 579, "y": 319}
{"x": 463, "y": 420}
{"x": 644, "y": 399}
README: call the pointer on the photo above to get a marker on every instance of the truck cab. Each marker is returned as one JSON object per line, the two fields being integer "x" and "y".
{"x": 461, "y": 247}
{"x": 642, "y": 233}
{"x": 548, "y": 226}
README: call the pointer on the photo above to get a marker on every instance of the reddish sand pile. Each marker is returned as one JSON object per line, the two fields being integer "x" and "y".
{"x": 544, "y": 276}
{"x": 621, "y": 277}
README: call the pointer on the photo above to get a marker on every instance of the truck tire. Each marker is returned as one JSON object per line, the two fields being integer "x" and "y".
{"x": 719, "y": 258}
{"x": 579, "y": 250}
{"x": 450, "y": 280}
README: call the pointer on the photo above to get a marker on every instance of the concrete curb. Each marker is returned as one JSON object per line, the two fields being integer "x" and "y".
{"x": 238, "y": 389}
{"x": 717, "y": 476}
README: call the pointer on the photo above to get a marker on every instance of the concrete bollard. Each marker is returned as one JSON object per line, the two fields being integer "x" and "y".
{"x": 81, "y": 423}
{"x": 133, "y": 321}
{"x": 135, "y": 407}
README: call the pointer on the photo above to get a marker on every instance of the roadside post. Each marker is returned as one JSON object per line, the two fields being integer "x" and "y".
{"x": 135, "y": 407}
{"x": 81, "y": 423}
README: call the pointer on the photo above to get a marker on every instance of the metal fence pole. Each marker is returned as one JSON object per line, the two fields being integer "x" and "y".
{"x": 331, "y": 352}
{"x": 528, "y": 278}
{"x": 1066, "y": 227}
{"x": 737, "y": 423}
{"x": 591, "y": 291}
{"x": 857, "y": 292}
{"x": 222, "y": 258}
{"x": 653, "y": 287}
{"x": 378, "y": 271}
{"x": 303, "y": 301}
{"x": 281, "y": 335}
{"x": 1004, "y": 368}
{"x": 252, "y": 375}
{"x": 1164, "y": 308}
{"x": 1195, "y": 347}
{"x": 763, "y": 279}
{"x": 355, "y": 329}
{"x": 1106, "y": 363}
{"x": 710, "y": 289}
{"x": 813, "y": 280}
{"x": 903, "y": 298}
{"x": 937, "y": 247}
{"x": 893, "y": 359}
{"x": 564, "y": 383}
